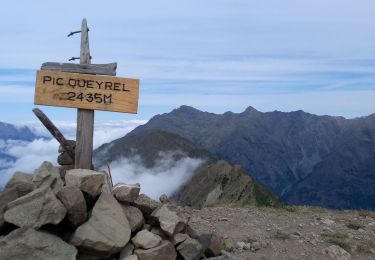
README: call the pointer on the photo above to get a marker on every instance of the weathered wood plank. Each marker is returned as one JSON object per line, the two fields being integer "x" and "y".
{"x": 98, "y": 69}
{"x": 57, "y": 88}
{"x": 55, "y": 132}
{"x": 85, "y": 118}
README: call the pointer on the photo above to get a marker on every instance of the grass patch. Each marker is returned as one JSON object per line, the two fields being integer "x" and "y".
{"x": 264, "y": 197}
{"x": 366, "y": 213}
{"x": 228, "y": 246}
{"x": 292, "y": 208}
{"x": 354, "y": 225}
{"x": 281, "y": 235}
{"x": 304, "y": 209}
{"x": 337, "y": 238}
{"x": 366, "y": 247}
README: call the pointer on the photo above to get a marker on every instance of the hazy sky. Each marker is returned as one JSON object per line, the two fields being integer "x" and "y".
{"x": 216, "y": 55}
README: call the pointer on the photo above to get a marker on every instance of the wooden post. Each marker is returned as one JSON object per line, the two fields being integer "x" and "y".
{"x": 85, "y": 117}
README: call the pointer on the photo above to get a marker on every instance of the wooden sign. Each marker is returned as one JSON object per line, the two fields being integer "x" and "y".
{"x": 56, "y": 88}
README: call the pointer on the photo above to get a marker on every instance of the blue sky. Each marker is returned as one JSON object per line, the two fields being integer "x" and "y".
{"x": 215, "y": 55}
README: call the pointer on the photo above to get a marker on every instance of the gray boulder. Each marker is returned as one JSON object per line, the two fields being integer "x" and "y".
{"x": 6, "y": 196}
{"x": 170, "y": 222}
{"x": 126, "y": 192}
{"x": 126, "y": 251}
{"x": 212, "y": 244}
{"x": 146, "y": 204}
{"x": 48, "y": 176}
{"x": 131, "y": 257}
{"x": 225, "y": 256}
{"x": 63, "y": 169}
{"x": 35, "y": 209}
{"x": 23, "y": 182}
{"x": 190, "y": 249}
{"x": 27, "y": 243}
{"x": 158, "y": 231}
{"x": 134, "y": 216}
{"x": 164, "y": 199}
{"x": 165, "y": 251}
{"x": 87, "y": 181}
{"x": 145, "y": 239}
{"x": 75, "y": 204}
{"x": 179, "y": 238}
{"x": 107, "y": 231}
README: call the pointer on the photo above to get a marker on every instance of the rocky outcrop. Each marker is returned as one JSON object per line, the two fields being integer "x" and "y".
{"x": 222, "y": 183}
{"x": 94, "y": 224}
{"x": 27, "y": 243}
{"x": 35, "y": 209}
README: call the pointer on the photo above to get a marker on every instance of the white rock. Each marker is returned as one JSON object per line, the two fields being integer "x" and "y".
{"x": 328, "y": 222}
{"x": 126, "y": 192}
{"x": 145, "y": 239}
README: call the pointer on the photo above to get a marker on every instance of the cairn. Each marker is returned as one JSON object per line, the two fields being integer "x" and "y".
{"x": 65, "y": 213}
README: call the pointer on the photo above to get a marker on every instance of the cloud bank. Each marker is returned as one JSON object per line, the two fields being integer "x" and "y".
{"x": 165, "y": 177}
{"x": 27, "y": 156}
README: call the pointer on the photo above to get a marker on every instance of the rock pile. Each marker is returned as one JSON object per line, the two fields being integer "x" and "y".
{"x": 56, "y": 215}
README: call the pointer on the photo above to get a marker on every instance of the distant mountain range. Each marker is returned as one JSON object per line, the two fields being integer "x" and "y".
{"x": 11, "y": 132}
{"x": 303, "y": 158}
{"x": 214, "y": 182}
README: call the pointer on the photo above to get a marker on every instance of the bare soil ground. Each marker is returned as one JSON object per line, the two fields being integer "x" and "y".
{"x": 289, "y": 232}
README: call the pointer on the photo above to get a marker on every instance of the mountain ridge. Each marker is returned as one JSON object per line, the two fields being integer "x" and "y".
{"x": 279, "y": 149}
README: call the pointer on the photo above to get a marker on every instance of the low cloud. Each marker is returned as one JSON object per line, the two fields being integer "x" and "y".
{"x": 165, "y": 177}
{"x": 104, "y": 131}
{"x": 30, "y": 155}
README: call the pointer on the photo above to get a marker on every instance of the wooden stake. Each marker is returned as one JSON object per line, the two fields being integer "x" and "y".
{"x": 85, "y": 117}
{"x": 55, "y": 132}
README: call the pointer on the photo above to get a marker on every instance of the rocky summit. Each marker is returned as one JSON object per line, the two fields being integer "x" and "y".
{"x": 88, "y": 219}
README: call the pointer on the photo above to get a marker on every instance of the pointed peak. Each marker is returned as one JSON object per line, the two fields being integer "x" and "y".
{"x": 250, "y": 109}
{"x": 185, "y": 109}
